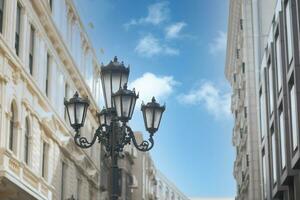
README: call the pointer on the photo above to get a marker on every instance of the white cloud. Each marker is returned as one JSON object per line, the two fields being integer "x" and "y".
{"x": 174, "y": 30}
{"x": 149, "y": 46}
{"x": 149, "y": 85}
{"x": 216, "y": 102}
{"x": 219, "y": 43}
{"x": 157, "y": 13}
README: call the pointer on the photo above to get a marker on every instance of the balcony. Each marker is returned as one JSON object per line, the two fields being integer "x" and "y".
{"x": 20, "y": 179}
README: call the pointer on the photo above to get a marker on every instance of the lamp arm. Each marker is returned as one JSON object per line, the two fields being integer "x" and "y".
{"x": 144, "y": 145}
{"x": 82, "y": 142}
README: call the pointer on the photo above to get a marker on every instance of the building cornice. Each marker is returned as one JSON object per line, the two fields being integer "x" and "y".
{"x": 233, "y": 20}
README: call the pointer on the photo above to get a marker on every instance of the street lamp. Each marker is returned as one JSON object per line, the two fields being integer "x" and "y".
{"x": 113, "y": 131}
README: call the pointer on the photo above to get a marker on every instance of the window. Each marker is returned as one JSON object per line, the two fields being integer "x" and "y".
{"x": 26, "y": 141}
{"x": 293, "y": 116}
{"x": 245, "y": 112}
{"x": 278, "y": 63}
{"x": 47, "y": 74}
{"x": 289, "y": 31}
{"x": 45, "y": 160}
{"x": 241, "y": 24}
{"x": 271, "y": 92}
{"x": 274, "y": 160}
{"x": 12, "y": 130}
{"x": 238, "y": 53}
{"x": 263, "y": 125}
{"x": 78, "y": 188}
{"x": 18, "y": 29}
{"x": 67, "y": 90}
{"x": 282, "y": 140}
{"x": 31, "y": 49}
{"x": 51, "y": 4}
{"x": 62, "y": 184}
{"x": 243, "y": 68}
{"x": 1, "y": 15}
{"x": 247, "y": 160}
{"x": 264, "y": 175}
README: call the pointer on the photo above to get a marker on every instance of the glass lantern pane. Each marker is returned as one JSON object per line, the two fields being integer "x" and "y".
{"x": 107, "y": 89}
{"x": 149, "y": 117}
{"x": 108, "y": 119}
{"x": 71, "y": 113}
{"x": 132, "y": 108}
{"x": 79, "y": 112}
{"x": 116, "y": 78}
{"x": 126, "y": 106}
{"x": 118, "y": 105}
{"x": 157, "y": 117}
{"x": 102, "y": 119}
{"x": 124, "y": 79}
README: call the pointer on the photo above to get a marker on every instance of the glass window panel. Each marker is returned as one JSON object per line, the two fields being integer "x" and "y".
{"x": 264, "y": 175}
{"x": 11, "y": 128}
{"x": 26, "y": 142}
{"x": 102, "y": 119}
{"x": 289, "y": 31}
{"x": 126, "y": 105}
{"x": 278, "y": 63}
{"x": 149, "y": 117}
{"x": 133, "y": 106}
{"x": 282, "y": 140}
{"x": 262, "y": 116}
{"x": 1, "y": 15}
{"x": 274, "y": 160}
{"x": 116, "y": 78}
{"x": 107, "y": 88}
{"x": 31, "y": 49}
{"x": 79, "y": 112}
{"x": 294, "y": 117}
{"x": 271, "y": 103}
{"x": 124, "y": 79}
{"x": 18, "y": 29}
{"x": 157, "y": 118}
{"x": 45, "y": 160}
{"x": 71, "y": 113}
{"x": 47, "y": 74}
{"x": 118, "y": 105}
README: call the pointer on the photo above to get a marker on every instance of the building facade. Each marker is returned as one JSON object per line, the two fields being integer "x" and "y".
{"x": 240, "y": 72}
{"x": 45, "y": 56}
{"x": 276, "y": 32}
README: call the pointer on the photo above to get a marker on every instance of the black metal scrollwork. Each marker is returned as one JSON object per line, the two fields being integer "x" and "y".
{"x": 103, "y": 134}
{"x": 144, "y": 145}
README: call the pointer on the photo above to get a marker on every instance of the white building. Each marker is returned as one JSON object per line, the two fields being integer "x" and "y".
{"x": 45, "y": 56}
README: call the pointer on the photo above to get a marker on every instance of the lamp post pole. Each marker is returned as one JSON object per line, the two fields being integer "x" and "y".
{"x": 114, "y": 162}
{"x": 113, "y": 131}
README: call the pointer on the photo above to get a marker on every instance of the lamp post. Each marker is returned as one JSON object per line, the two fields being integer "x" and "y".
{"x": 113, "y": 131}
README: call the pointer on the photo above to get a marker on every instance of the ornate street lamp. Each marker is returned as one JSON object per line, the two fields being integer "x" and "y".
{"x": 113, "y": 131}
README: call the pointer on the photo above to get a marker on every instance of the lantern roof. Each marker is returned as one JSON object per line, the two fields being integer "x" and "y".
{"x": 115, "y": 65}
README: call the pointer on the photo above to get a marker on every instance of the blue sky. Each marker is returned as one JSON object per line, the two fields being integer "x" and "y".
{"x": 176, "y": 50}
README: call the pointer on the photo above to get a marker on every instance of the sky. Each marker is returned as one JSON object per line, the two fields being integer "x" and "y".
{"x": 176, "y": 52}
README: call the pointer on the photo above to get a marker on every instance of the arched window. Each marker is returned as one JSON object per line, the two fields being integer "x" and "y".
{"x": 12, "y": 123}
{"x": 26, "y": 140}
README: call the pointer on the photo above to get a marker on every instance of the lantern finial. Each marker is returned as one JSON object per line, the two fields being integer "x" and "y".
{"x": 153, "y": 100}
{"x": 115, "y": 59}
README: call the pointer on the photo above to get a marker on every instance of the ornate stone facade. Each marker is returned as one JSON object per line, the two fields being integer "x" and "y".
{"x": 45, "y": 56}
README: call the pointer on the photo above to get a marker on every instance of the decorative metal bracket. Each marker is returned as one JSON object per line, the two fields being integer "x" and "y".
{"x": 125, "y": 137}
